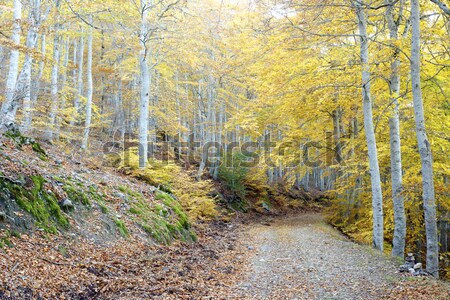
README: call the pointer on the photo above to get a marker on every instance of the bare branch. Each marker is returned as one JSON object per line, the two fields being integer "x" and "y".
{"x": 442, "y": 6}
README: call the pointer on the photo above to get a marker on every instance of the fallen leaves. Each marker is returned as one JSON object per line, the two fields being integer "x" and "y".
{"x": 35, "y": 268}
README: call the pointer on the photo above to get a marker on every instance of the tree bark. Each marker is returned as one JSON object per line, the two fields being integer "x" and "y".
{"x": 377, "y": 198}
{"x": 23, "y": 89}
{"x": 77, "y": 100}
{"x": 54, "y": 88}
{"x": 398, "y": 247}
{"x": 89, "y": 92}
{"x": 7, "y": 113}
{"x": 145, "y": 86}
{"x": 28, "y": 114}
{"x": 426, "y": 158}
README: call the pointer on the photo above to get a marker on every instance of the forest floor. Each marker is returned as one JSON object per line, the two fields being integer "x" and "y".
{"x": 292, "y": 258}
{"x": 302, "y": 257}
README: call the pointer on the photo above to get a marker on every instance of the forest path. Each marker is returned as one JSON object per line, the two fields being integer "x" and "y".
{"x": 304, "y": 258}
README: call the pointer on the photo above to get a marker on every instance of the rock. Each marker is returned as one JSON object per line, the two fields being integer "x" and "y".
{"x": 403, "y": 268}
{"x": 121, "y": 196}
{"x": 58, "y": 162}
{"x": 251, "y": 248}
{"x": 2, "y": 216}
{"x": 66, "y": 204}
{"x": 421, "y": 272}
{"x": 265, "y": 206}
{"x": 418, "y": 266}
{"x": 410, "y": 258}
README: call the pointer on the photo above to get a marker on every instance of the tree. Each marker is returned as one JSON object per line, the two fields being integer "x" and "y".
{"x": 377, "y": 198}
{"x": 429, "y": 203}
{"x": 8, "y": 110}
{"x": 144, "y": 37}
{"x": 398, "y": 247}
{"x": 90, "y": 90}
{"x": 50, "y": 131}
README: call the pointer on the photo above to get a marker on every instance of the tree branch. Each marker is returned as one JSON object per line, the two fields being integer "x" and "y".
{"x": 442, "y": 6}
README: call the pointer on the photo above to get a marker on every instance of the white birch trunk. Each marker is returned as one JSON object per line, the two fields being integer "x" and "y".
{"x": 89, "y": 92}
{"x": 377, "y": 198}
{"x": 429, "y": 202}
{"x": 7, "y": 114}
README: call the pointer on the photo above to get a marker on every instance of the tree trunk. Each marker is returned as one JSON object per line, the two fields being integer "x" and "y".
{"x": 28, "y": 114}
{"x": 429, "y": 202}
{"x": 54, "y": 88}
{"x": 377, "y": 198}
{"x": 7, "y": 114}
{"x": 23, "y": 89}
{"x": 79, "y": 93}
{"x": 90, "y": 91}
{"x": 145, "y": 86}
{"x": 63, "y": 83}
{"x": 398, "y": 244}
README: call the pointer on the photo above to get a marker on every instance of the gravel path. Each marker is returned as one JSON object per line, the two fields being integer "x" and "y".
{"x": 303, "y": 258}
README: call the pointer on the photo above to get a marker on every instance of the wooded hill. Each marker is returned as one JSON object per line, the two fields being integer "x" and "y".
{"x": 346, "y": 98}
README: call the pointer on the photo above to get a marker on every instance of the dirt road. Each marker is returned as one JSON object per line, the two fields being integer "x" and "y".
{"x": 303, "y": 258}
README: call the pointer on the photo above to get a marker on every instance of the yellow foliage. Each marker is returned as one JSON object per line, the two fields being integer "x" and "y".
{"x": 197, "y": 198}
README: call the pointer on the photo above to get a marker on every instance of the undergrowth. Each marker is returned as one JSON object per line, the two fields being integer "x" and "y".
{"x": 196, "y": 198}
{"x": 164, "y": 219}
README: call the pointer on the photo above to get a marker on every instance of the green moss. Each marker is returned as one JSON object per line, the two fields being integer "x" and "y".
{"x": 40, "y": 203}
{"x": 75, "y": 194}
{"x": 121, "y": 227}
{"x": 78, "y": 193}
{"x": 135, "y": 211}
{"x": 165, "y": 221}
{"x": 131, "y": 193}
{"x": 5, "y": 242}
{"x": 183, "y": 219}
{"x": 103, "y": 208}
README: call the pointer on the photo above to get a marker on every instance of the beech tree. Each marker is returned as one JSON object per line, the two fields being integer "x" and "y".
{"x": 377, "y": 197}
{"x": 429, "y": 203}
{"x": 8, "y": 110}
{"x": 398, "y": 247}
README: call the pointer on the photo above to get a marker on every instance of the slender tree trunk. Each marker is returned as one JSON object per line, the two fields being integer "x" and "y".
{"x": 54, "y": 89}
{"x": 7, "y": 113}
{"x": 202, "y": 135}
{"x": 28, "y": 113}
{"x": 145, "y": 86}
{"x": 90, "y": 91}
{"x": 77, "y": 100}
{"x": 429, "y": 202}
{"x": 63, "y": 83}
{"x": 377, "y": 199}
{"x": 398, "y": 247}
